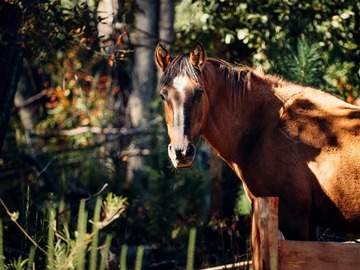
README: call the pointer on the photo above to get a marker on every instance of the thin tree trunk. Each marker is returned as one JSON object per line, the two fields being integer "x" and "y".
{"x": 10, "y": 62}
{"x": 166, "y": 24}
{"x": 146, "y": 29}
{"x": 143, "y": 78}
{"x": 166, "y": 21}
{"x": 107, "y": 11}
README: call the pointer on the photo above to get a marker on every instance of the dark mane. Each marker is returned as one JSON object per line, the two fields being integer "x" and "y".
{"x": 235, "y": 76}
{"x": 238, "y": 77}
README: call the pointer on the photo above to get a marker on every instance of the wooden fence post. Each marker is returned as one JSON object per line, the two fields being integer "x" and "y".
{"x": 264, "y": 233}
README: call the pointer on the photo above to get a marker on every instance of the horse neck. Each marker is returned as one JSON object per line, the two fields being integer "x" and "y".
{"x": 235, "y": 114}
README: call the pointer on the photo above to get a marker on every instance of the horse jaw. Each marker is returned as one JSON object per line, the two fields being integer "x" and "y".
{"x": 181, "y": 165}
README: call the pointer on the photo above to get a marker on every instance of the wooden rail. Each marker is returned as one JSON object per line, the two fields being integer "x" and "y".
{"x": 271, "y": 252}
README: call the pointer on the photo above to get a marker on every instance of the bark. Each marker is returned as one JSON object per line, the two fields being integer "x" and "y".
{"x": 146, "y": 26}
{"x": 26, "y": 115}
{"x": 10, "y": 61}
{"x": 107, "y": 10}
{"x": 143, "y": 78}
{"x": 166, "y": 24}
{"x": 112, "y": 34}
{"x": 166, "y": 21}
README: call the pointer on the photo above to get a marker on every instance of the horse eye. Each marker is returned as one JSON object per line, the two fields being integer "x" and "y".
{"x": 162, "y": 96}
{"x": 198, "y": 94}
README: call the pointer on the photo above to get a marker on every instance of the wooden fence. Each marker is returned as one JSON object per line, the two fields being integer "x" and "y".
{"x": 271, "y": 252}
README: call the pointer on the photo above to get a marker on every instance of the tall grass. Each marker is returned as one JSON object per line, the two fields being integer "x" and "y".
{"x": 69, "y": 250}
{"x": 80, "y": 238}
{"x": 50, "y": 240}
{"x": 66, "y": 250}
{"x": 105, "y": 252}
{"x": 139, "y": 257}
{"x": 123, "y": 253}
{"x": 191, "y": 249}
{"x": 95, "y": 240}
{"x": 30, "y": 262}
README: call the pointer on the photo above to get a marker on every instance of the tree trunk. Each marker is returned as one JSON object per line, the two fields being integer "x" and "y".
{"x": 107, "y": 10}
{"x": 10, "y": 62}
{"x": 143, "y": 78}
{"x": 166, "y": 21}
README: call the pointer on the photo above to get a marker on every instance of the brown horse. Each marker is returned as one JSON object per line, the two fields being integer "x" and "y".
{"x": 282, "y": 139}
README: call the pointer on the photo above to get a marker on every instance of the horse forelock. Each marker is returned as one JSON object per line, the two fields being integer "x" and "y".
{"x": 180, "y": 65}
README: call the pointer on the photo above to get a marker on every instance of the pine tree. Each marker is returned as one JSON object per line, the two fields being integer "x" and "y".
{"x": 304, "y": 64}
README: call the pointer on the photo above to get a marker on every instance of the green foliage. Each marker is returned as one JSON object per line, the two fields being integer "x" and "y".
{"x": 123, "y": 253}
{"x": 50, "y": 241}
{"x": 18, "y": 264}
{"x": 191, "y": 249}
{"x": 73, "y": 87}
{"x": 50, "y": 26}
{"x": 70, "y": 249}
{"x": 76, "y": 98}
{"x": 243, "y": 205}
{"x": 105, "y": 252}
{"x": 30, "y": 263}
{"x": 180, "y": 210}
{"x": 127, "y": 12}
{"x": 69, "y": 70}
{"x": 305, "y": 65}
{"x": 95, "y": 241}
{"x": 80, "y": 244}
{"x": 139, "y": 258}
{"x": 262, "y": 33}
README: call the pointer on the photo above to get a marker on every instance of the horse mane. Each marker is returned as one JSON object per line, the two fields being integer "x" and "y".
{"x": 237, "y": 76}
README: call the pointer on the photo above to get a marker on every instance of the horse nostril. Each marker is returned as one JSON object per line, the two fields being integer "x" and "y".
{"x": 178, "y": 154}
{"x": 190, "y": 150}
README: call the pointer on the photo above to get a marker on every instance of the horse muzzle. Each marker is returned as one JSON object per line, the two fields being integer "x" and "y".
{"x": 183, "y": 155}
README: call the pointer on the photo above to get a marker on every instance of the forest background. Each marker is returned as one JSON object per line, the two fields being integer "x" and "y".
{"x": 80, "y": 117}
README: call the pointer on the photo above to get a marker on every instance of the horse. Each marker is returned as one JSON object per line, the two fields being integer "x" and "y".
{"x": 282, "y": 139}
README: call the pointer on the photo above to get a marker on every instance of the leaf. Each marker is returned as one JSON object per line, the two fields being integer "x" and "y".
{"x": 242, "y": 33}
{"x": 14, "y": 215}
{"x": 228, "y": 38}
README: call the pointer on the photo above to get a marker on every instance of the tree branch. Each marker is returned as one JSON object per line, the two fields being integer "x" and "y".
{"x": 104, "y": 131}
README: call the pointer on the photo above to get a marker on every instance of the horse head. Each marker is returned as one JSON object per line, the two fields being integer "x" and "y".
{"x": 185, "y": 102}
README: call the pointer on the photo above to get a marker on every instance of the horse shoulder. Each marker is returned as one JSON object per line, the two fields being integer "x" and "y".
{"x": 317, "y": 118}
{"x": 326, "y": 131}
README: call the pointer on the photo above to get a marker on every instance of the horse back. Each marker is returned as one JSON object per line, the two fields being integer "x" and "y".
{"x": 326, "y": 132}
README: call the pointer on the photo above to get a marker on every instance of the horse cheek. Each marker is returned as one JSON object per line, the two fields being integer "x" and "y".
{"x": 169, "y": 116}
{"x": 204, "y": 112}
{"x": 197, "y": 121}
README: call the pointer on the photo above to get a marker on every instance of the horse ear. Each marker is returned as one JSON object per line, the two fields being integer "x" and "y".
{"x": 162, "y": 57}
{"x": 197, "y": 56}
